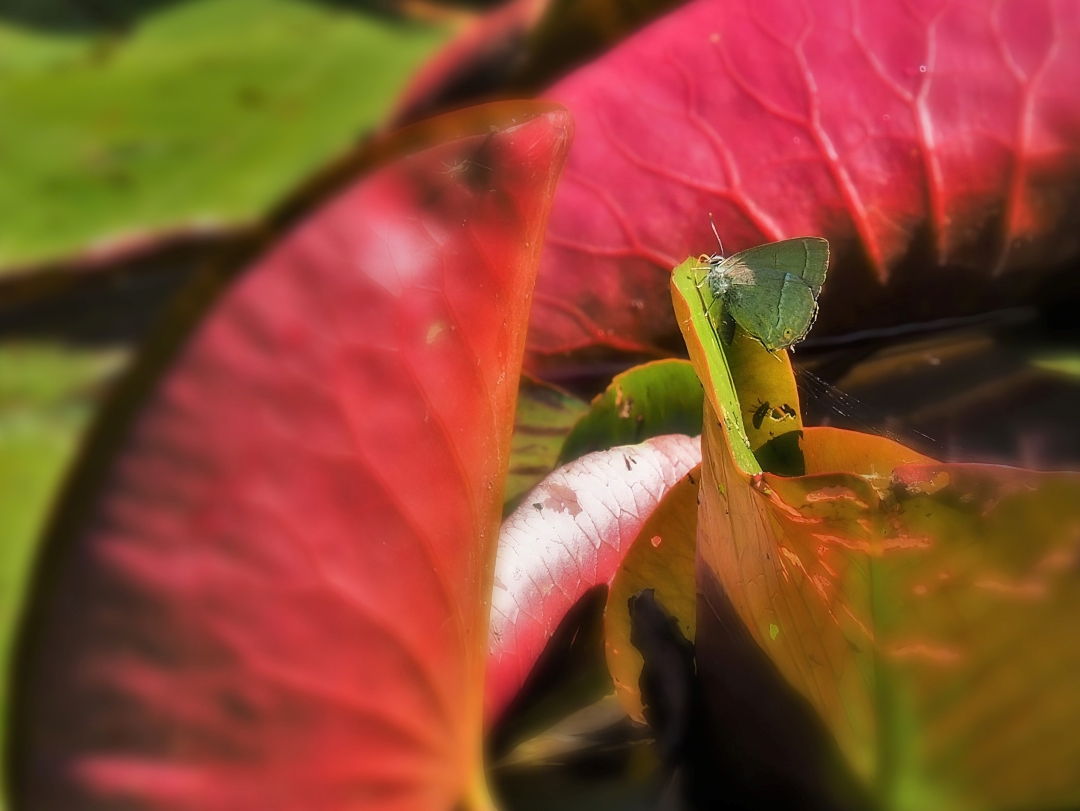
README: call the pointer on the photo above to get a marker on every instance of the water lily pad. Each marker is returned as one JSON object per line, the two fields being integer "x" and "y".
{"x": 199, "y": 119}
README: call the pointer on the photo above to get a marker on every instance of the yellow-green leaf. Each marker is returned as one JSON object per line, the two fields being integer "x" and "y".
{"x": 661, "y": 558}
{"x": 924, "y": 610}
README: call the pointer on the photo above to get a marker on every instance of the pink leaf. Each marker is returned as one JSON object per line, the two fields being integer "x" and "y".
{"x": 568, "y": 535}
{"x": 912, "y": 135}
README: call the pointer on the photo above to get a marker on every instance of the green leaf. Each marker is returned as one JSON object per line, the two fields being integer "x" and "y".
{"x": 662, "y": 397}
{"x": 545, "y": 414}
{"x": 752, "y": 387}
{"x": 202, "y": 117}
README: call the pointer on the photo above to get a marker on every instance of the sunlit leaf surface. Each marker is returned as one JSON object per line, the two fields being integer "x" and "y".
{"x": 570, "y": 533}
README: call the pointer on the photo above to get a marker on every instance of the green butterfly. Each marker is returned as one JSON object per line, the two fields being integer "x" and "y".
{"x": 771, "y": 291}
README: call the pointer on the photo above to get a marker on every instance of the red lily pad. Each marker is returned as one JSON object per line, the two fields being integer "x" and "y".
{"x": 912, "y": 135}
{"x": 275, "y": 594}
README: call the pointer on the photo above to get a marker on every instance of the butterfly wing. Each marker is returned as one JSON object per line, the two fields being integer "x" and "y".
{"x": 771, "y": 291}
{"x": 778, "y": 308}
{"x": 805, "y": 257}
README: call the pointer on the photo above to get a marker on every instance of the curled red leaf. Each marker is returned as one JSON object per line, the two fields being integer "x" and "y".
{"x": 570, "y": 534}
{"x": 275, "y": 597}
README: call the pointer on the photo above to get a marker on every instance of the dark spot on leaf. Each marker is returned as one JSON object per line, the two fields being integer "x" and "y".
{"x": 236, "y": 706}
{"x": 250, "y": 97}
{"x": 668, "y": 677}
{"x": 120, "y": 179}
{"x": 530, "y": 470}
{"x": 562, "y": 499}
{"x": 103, "y": 50}
{"x": 759, "y": 415}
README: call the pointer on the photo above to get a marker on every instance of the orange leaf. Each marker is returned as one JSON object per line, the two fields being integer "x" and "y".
{"x": 924, "y": 610}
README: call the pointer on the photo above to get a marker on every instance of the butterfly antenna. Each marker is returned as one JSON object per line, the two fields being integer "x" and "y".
{"x": 716, "y": 234}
